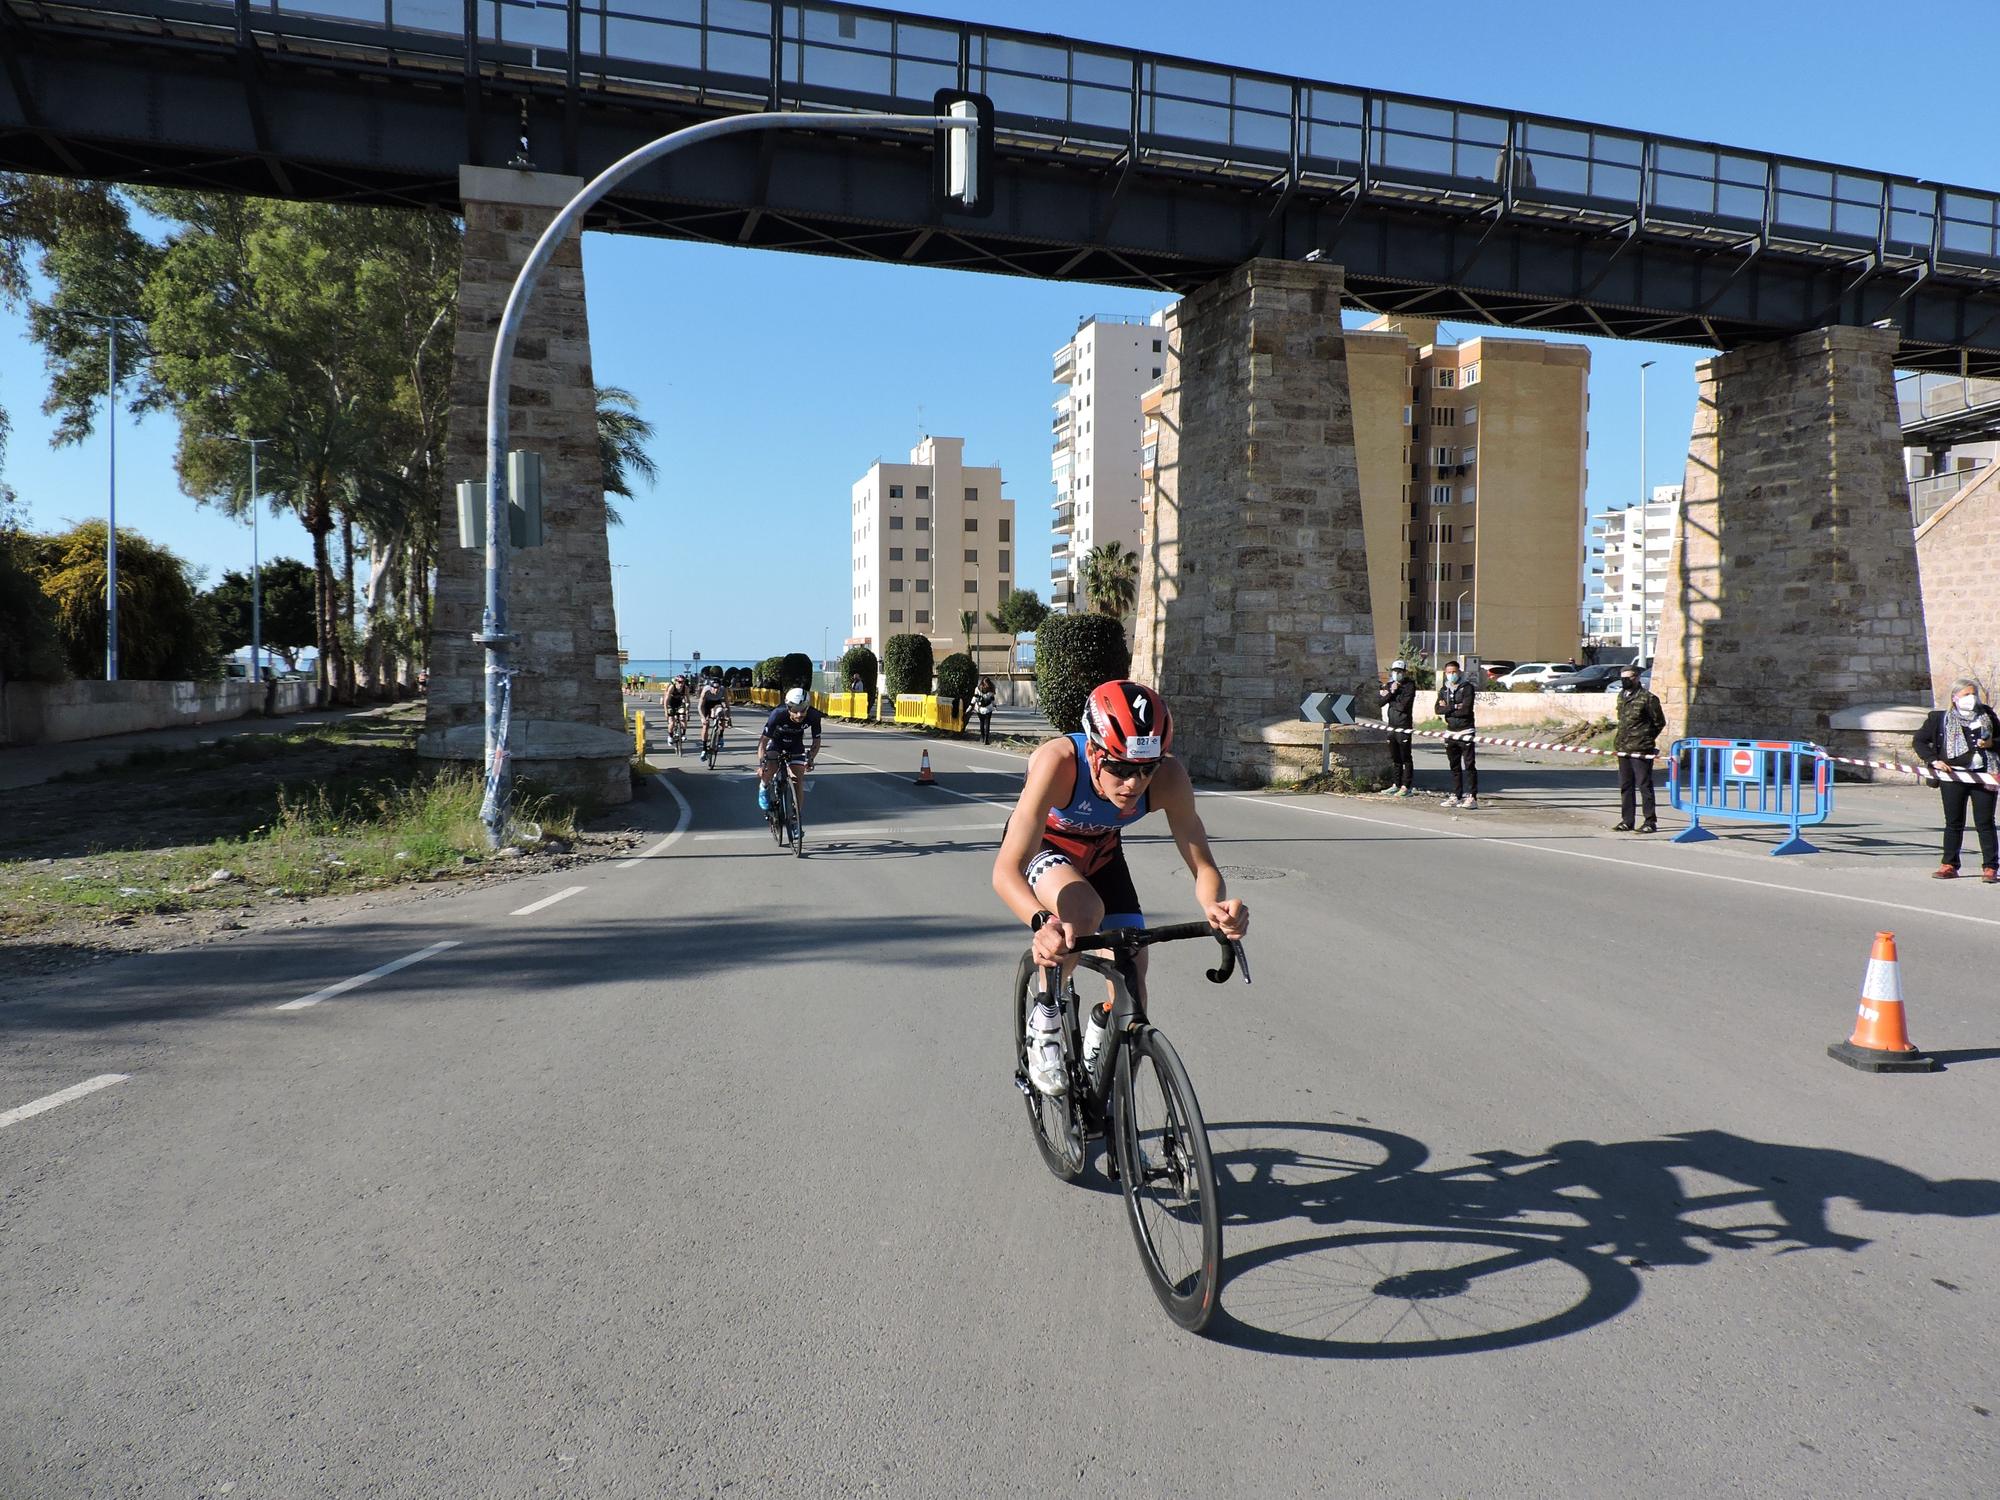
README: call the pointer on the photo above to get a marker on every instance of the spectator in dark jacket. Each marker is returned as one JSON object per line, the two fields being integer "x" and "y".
{"x": 1640, "y": 720}
{"x": 982, "y": 704}
{"x": 1962, "y": 736}
{"x": 1398, "y": 698}
{"x": 1454, "y": 706}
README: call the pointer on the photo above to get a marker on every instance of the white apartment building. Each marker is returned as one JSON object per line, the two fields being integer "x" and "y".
{"x": 932, "y": 538}
{"x": 1107, "y": 367}
{"x": 1636, "y": 542}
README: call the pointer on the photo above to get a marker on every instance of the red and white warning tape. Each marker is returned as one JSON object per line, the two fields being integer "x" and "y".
{"x": 1463, "y": 736}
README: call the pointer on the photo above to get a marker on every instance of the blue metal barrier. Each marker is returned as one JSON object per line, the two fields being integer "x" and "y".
{"x": 1751, "y": 781}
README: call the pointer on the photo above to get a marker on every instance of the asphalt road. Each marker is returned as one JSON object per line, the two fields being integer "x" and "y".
{"x": 704, "y": 1173}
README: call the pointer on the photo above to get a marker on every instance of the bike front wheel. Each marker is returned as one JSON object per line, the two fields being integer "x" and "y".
{"x": 1054, "y": 1122}
{"x": 1168, "y": 1177}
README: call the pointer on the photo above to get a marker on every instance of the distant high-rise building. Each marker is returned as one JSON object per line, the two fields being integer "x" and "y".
{"x": 1107, "y": 367}
{"x": 1635, "y": 542}
{"x": 932, "y": 538}
{"x": 1471, "y": 460}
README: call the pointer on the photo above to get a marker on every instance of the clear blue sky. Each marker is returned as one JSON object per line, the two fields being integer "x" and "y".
{"x": 776, "y": 379}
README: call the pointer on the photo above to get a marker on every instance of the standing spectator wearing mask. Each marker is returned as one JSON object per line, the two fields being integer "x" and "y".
{"x": 1454, "y": 706}
{"x": 1961, "y": 737}
{"x": 1640, "y": 721}
{"x": 1398, "y": 699}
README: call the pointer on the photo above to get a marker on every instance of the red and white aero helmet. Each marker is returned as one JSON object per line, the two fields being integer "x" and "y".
{"x": 1128, "y": 722}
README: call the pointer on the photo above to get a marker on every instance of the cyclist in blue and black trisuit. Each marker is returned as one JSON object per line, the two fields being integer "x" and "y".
{"x": 784, "y": 740}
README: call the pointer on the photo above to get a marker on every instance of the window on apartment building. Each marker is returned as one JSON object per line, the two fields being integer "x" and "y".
{"x": 1006, "y": 533}
{"x": 1472, "y": 373}
{"x": 1406, "y": 416}
{"x": 1156, "y": 372}
{"x": 923, "y": 492}
{"x": 1465, "y": 495}
{"x": 895, "y": 617}
{"x": 1444, "y": 416}
{"x": 895, "y": 554}
{"x": 971, "y": 587}
{"x": 1156, "y": 346}
{"x": 1441, "y": 457}
{"x": 895, "y": 523}
{"x": 972, "y": 523}
{"x": 923, "y": 617}
{"x": 1006, "y": 561}
{"x": 1466, "y": 534}
{"x": 1445, "y": 379}
{"x": 895, "y": 585}
{"x": 1440, "y": 494}
{"x": 1471, "y": 415}
{"x": 972, "y": 555}
{"x": 1465, "y": 572}
{"x": 923, "y": 554}
{"x": 923, "y": 585}
{"x": 1467, "y": 455}
{"x": 971, "y": 493}
{"x": 895, "y": 492}
{"x": 923, "y": 523}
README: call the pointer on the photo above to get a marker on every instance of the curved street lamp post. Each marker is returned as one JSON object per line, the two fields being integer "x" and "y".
{"x": 966, "y": 123}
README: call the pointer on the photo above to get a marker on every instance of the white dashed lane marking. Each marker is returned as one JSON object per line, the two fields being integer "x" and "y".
{"x": 547, "y": 901}
{"x": 373, "y": 974}
{"x": 48, "y": 1102}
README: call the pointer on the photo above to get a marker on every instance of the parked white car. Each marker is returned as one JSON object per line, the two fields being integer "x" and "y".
{"x": 1537, "y": 672}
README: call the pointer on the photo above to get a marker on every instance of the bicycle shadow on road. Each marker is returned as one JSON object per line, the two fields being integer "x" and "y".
{"x": 1511, "y": 1250}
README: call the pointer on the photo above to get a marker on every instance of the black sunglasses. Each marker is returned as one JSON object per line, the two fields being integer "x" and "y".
{"x": 1128, "y": 770}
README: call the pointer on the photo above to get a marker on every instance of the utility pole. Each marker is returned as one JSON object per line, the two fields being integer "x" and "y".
{"x": 1644, "y": 366}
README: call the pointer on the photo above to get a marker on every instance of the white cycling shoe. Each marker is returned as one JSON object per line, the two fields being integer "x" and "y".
{"x": 1047, "y": 1069}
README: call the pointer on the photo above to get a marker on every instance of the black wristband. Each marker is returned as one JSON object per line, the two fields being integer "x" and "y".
{"x": 1040, "y": 920}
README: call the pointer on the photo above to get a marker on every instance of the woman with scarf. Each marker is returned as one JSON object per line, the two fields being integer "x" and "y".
{"x": 1961, "y": 737}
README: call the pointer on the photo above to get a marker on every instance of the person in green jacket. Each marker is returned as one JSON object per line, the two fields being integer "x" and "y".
{"x": 1640, "y": 720}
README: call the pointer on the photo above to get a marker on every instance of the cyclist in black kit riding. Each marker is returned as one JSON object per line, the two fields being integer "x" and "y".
{"x": 783, "y": 743}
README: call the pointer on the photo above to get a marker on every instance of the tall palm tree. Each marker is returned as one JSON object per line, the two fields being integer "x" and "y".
{"x": 1110, "y": 575}
{"x": 621, "y": 438}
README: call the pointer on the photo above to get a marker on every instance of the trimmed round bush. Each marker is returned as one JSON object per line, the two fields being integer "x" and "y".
{"x": 796, "y": 671}
{"x": 1073, "y": 654}
{"x": 957, "y": 677}
{"x": 765, "y": 673}
{"x": 858, "y": 661}
{"x": 907, "y": 661}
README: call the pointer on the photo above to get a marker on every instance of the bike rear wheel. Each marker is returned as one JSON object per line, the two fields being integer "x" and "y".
{"x": 795, "y": 817}
{"x": 1057, "y": 1130}
{"x": 1168, "y": 1177}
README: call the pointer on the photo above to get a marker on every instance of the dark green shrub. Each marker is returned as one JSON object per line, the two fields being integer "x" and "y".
{"x": 765, "y": 673}
{"x": 858, "y": 661}
{"x": 957, "y": 677}
{"x": 907, "y": 661}
{"x": 1073, "y": 654}
{"x": 796, "y": 670}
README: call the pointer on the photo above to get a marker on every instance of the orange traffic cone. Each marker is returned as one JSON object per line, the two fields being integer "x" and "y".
{"x": 924, "y": 777}
{"x": 1880, "y": 1043}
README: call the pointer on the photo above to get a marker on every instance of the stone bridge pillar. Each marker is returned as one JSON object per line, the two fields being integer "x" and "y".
{"x": 1253, "y": 570}
{"x": 1791, "y": 590}
{"x": 567, "y": 727}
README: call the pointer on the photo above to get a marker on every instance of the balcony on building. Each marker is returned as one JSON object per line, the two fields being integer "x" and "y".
{"x": 1064, "y": 372}
{"x": 1062, "y": 593}
{"x": 1065, "y": 516}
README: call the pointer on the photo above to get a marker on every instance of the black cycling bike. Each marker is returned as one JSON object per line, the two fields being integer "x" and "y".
{"x": 711, "y": 738}
{"x": 1138, "y": 1095}
{"x": 782, "y": 811}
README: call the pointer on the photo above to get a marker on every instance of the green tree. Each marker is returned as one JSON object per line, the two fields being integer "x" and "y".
{"x": 31, "y": 649}
{"x": 164, "y": 632}
{"x": 906, "y": 659}
{"x": 1110, "y": 575}
{"x": 1020, "y": 613}
{"x": 287, "y": 608}
{"x": 858, "y": 661}
{"x": 957, "y": 677}
{"x": 767, "y": 672}
{"x": 796, "y": 670}
{"x": 324, "y": 330}
{"x": 622, "y": 435}
{"x": 1073, "y": 654}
